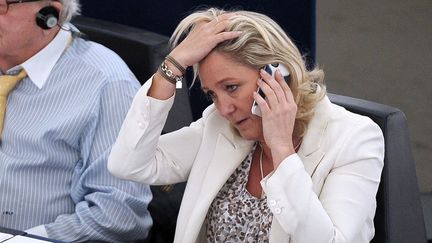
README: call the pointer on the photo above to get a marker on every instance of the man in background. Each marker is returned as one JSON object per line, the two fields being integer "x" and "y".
{"x": 65, "y": 101}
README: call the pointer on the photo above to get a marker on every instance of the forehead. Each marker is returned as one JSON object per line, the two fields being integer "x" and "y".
{"x": 219, "y": 67}
{"x": 219, "y": 63}
{"x": 217, "y": 58}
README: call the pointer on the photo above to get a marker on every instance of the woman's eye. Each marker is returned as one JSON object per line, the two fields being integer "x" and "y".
{"x": 231, "y": 88}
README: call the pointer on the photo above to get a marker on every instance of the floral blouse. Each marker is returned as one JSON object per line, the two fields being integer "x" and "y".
{"x": 237, "y": 216}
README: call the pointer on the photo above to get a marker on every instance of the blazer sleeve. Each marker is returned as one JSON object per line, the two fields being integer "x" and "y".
{"x": 343, "y": 210}
{"x": 142, "y": 154}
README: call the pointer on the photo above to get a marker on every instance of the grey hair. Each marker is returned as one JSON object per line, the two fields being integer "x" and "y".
{"x": 71, "y": 8}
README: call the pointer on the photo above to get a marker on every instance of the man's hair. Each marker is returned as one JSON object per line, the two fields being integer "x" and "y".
{"x": 71, "y": 8}
{"x": 263, "y": 41}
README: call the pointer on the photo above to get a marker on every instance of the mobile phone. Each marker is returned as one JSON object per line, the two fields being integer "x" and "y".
{"x": 271, "y": 69}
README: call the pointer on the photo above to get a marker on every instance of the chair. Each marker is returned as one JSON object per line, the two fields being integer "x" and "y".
{"x": 399, "y": 215}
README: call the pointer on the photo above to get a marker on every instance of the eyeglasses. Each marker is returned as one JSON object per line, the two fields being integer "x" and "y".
{"x": 4, "y": 7}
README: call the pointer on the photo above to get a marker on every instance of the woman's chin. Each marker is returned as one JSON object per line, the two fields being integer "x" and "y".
{"x": 247, "y": 134}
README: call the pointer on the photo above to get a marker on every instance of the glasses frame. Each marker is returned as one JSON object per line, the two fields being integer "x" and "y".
{"x": 4, "y": 8}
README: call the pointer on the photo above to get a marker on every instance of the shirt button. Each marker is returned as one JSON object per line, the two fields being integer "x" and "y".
{"x": 272, "y": 203}
{"x": 277, "y": 210}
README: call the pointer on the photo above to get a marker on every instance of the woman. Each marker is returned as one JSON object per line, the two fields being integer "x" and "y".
{"x": 306, "y": 171}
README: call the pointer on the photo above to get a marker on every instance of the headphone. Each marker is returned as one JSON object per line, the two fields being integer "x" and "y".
{"x": 47, "y": 17}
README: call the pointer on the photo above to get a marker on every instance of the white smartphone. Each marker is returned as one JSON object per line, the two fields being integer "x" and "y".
{"x": 271, "y": 69}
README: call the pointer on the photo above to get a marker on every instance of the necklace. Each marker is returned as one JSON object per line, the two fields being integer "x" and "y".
{"x": 260, "y": 162}
{"x": 261, "y": 156}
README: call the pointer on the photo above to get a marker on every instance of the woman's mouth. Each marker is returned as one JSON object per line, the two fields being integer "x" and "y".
{"x": 240, "y": 122}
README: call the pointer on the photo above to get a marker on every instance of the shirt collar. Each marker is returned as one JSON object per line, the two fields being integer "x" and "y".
{"x": 39, "y": 66}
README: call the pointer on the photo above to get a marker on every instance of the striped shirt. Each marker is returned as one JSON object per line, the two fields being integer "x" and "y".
{"x": 59, "y": 126}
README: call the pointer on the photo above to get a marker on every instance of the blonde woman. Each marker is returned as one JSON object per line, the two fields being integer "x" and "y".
{"x": 306, "y": 170}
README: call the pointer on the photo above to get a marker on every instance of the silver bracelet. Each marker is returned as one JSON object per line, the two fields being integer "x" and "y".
{"x": 170, "y": 76}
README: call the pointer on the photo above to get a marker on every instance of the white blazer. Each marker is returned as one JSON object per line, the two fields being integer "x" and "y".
{"x": 324, "y": 193}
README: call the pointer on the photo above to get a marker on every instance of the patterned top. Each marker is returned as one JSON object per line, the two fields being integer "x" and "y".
{"x": 237, "y": 216}
{"x": 55, "y": 145}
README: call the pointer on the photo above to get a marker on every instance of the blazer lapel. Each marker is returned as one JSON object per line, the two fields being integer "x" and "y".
{"x": 227, "y": 157}
{"x": 230, "y": 150}
{"x": 312, "y": 149}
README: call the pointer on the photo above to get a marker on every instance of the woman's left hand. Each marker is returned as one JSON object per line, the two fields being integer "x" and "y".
{"x": 278, "y": 115}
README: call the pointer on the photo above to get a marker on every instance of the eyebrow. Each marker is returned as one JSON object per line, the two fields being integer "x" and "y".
{"x": 203, "y": 88}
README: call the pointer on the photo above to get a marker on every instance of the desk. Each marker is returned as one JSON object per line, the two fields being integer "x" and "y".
{"x": 17, "y": 236}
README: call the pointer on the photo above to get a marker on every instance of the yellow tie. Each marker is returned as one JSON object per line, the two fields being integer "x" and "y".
{"x": 7, "y": 83}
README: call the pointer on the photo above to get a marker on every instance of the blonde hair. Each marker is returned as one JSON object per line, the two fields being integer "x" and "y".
{"x": 262, "y": 42}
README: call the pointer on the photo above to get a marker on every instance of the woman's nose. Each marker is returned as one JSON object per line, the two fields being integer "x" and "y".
{"x": 225, "y": 106}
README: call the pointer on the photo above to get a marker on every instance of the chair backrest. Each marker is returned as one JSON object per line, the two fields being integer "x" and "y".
{"x": 143, "y": 51}
{"x": 399, "y": 215}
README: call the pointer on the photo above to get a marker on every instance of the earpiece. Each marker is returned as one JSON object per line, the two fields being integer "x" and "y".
{"x": 47, "y": 17}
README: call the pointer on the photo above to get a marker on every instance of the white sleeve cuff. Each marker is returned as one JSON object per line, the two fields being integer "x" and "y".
{"x": 38, "y": 230}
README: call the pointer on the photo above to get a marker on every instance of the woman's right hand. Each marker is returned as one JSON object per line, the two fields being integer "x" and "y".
{"x": 202, "y": 39}
{"x": 197, "y": 45}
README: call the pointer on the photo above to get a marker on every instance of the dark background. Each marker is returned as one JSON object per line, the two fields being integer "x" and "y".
{"x": 297, "y": 17}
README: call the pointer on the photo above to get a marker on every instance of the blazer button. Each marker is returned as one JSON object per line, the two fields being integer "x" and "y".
{"x": 277, "y": 211}
{"x": 272, "y": 203}
{"x": 141, "y": 125}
